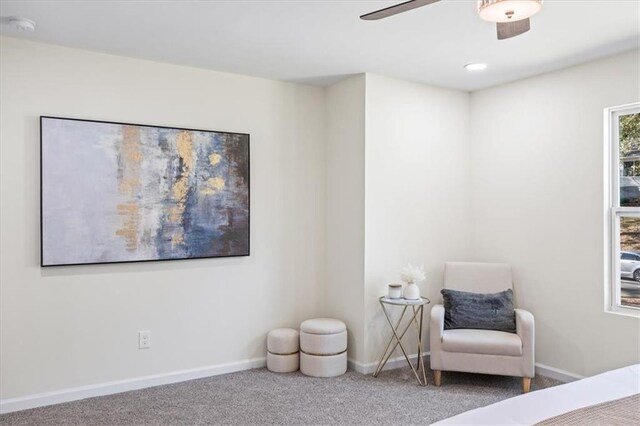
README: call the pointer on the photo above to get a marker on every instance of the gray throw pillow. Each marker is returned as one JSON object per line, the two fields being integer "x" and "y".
{"x": 487, "y": 311}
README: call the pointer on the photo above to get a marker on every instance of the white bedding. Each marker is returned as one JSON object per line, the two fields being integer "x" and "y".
{"x": 537, "y": 406}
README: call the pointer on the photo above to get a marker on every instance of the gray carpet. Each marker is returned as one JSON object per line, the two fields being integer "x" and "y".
{"x": 260, "y": 397}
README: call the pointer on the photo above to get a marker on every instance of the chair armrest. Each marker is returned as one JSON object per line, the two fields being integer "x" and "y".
{"x": 525, "y": 328}
{"x": 436, "y": 326}
{"x": 525, "y": 325}
{"x": 436, "y": 332}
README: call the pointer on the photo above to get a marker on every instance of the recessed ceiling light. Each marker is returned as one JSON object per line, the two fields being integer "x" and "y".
{"x": 20, "y": 24}
{"x": 475, "y": 67}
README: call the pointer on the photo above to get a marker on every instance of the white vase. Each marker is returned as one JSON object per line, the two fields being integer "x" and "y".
{"x": 412, "y": 291}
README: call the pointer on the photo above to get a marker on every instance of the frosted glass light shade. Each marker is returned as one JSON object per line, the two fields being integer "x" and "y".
{"x": 508, "y": 10}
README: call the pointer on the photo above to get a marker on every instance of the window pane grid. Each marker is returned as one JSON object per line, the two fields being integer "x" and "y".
{"x": 624, "y": 145}
{"x": 627, "y": 291}
{"x": 626, "y": 136}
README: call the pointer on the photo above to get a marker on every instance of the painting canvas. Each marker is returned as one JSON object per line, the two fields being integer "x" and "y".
{"x": 117, "y": 192}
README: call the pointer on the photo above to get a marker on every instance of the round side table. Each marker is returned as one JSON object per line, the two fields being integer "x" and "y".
{"x": 415, "y": 318}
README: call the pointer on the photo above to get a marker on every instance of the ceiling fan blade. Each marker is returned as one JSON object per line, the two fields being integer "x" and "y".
{"x": 512, "y": 29}
{"x": 394, "y": 10}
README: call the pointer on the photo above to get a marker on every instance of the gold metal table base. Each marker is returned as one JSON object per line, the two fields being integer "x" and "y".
{"x": 417, "y": 311}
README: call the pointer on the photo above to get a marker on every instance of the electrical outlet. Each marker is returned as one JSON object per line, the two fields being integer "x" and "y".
{"x": 144, "y": 339}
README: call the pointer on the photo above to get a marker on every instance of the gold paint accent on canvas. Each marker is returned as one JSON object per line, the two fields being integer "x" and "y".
{"x": 130, "y": 217}
{"x": 131, "y": 144}
{"x": 129, "y": 184}
{"x": 215, "y": 158}
{"x": 177, "y": 239}
{"x": 213, "y": 185}
{"x": 180, "y": 189}
{"x": 175, "y": 213}
{"x": 131, "y": 158}
{"x": 185, "y": 149}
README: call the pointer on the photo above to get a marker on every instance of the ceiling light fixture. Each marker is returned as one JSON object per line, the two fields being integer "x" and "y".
{"x": 508, "y": 10}
{"x": 20, "y": 24}
{"x": 475, "y": 67}
{"x": 510, "y": 16}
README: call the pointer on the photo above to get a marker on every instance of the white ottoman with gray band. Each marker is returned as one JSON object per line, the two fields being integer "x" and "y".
{"x": 283, "y": 345}
{"x": 323, "y": 347}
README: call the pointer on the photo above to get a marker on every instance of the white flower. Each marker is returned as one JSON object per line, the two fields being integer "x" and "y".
{"x": 412, "y": 274}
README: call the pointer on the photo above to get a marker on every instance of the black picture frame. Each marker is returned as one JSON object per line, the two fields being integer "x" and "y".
{"x": 41, "y": 163}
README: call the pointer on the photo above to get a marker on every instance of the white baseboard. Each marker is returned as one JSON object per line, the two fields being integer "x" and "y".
{"x": 73, "y": 394}
{"x": 393, "y": 363}
{"x": 398, "y": 362}
{"x": 556, "y": 373}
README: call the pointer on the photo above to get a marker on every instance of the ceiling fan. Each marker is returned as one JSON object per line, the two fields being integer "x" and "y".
{"x": 511, "y": 16}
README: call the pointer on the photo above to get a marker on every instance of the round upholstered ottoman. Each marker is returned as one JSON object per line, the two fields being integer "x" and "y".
{"x": 323, "y": 347}
{"x": 283, "y": 345}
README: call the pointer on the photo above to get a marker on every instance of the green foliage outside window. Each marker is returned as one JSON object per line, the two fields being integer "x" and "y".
{"x": 629, "y": 134}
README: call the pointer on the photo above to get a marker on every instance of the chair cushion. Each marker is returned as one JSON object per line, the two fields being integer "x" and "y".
{"x": 488, "y": 311}
{"x": 487, "y": 342}
{"x": 323, "y": 326}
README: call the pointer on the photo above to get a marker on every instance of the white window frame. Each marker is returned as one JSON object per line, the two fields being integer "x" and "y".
{"x": 613, "y": 211}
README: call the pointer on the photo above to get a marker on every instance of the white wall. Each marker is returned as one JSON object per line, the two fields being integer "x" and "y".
{"x": 417, "y": 191}
{"x": 73, "y": 326}
{"x": 389, "y": 144}
{"x": 348, "y": 185}
{"x": 538, "y": 204}
{"x": 345, "y": 139}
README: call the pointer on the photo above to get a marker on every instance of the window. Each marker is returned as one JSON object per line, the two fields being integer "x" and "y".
{"x": 623, "y": 210}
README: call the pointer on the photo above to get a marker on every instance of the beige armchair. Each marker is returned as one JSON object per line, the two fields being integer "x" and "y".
{"x": 482, "y": 351}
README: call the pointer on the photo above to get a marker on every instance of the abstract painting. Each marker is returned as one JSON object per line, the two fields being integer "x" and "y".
{"x": 117, "y": 192}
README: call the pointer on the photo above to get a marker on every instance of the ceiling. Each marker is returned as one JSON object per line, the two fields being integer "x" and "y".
{"x": 319, "y": 42}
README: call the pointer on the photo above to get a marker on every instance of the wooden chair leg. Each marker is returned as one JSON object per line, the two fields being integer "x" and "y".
{"x": 526, "y": 384}
{"x": 437, "y": 377}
